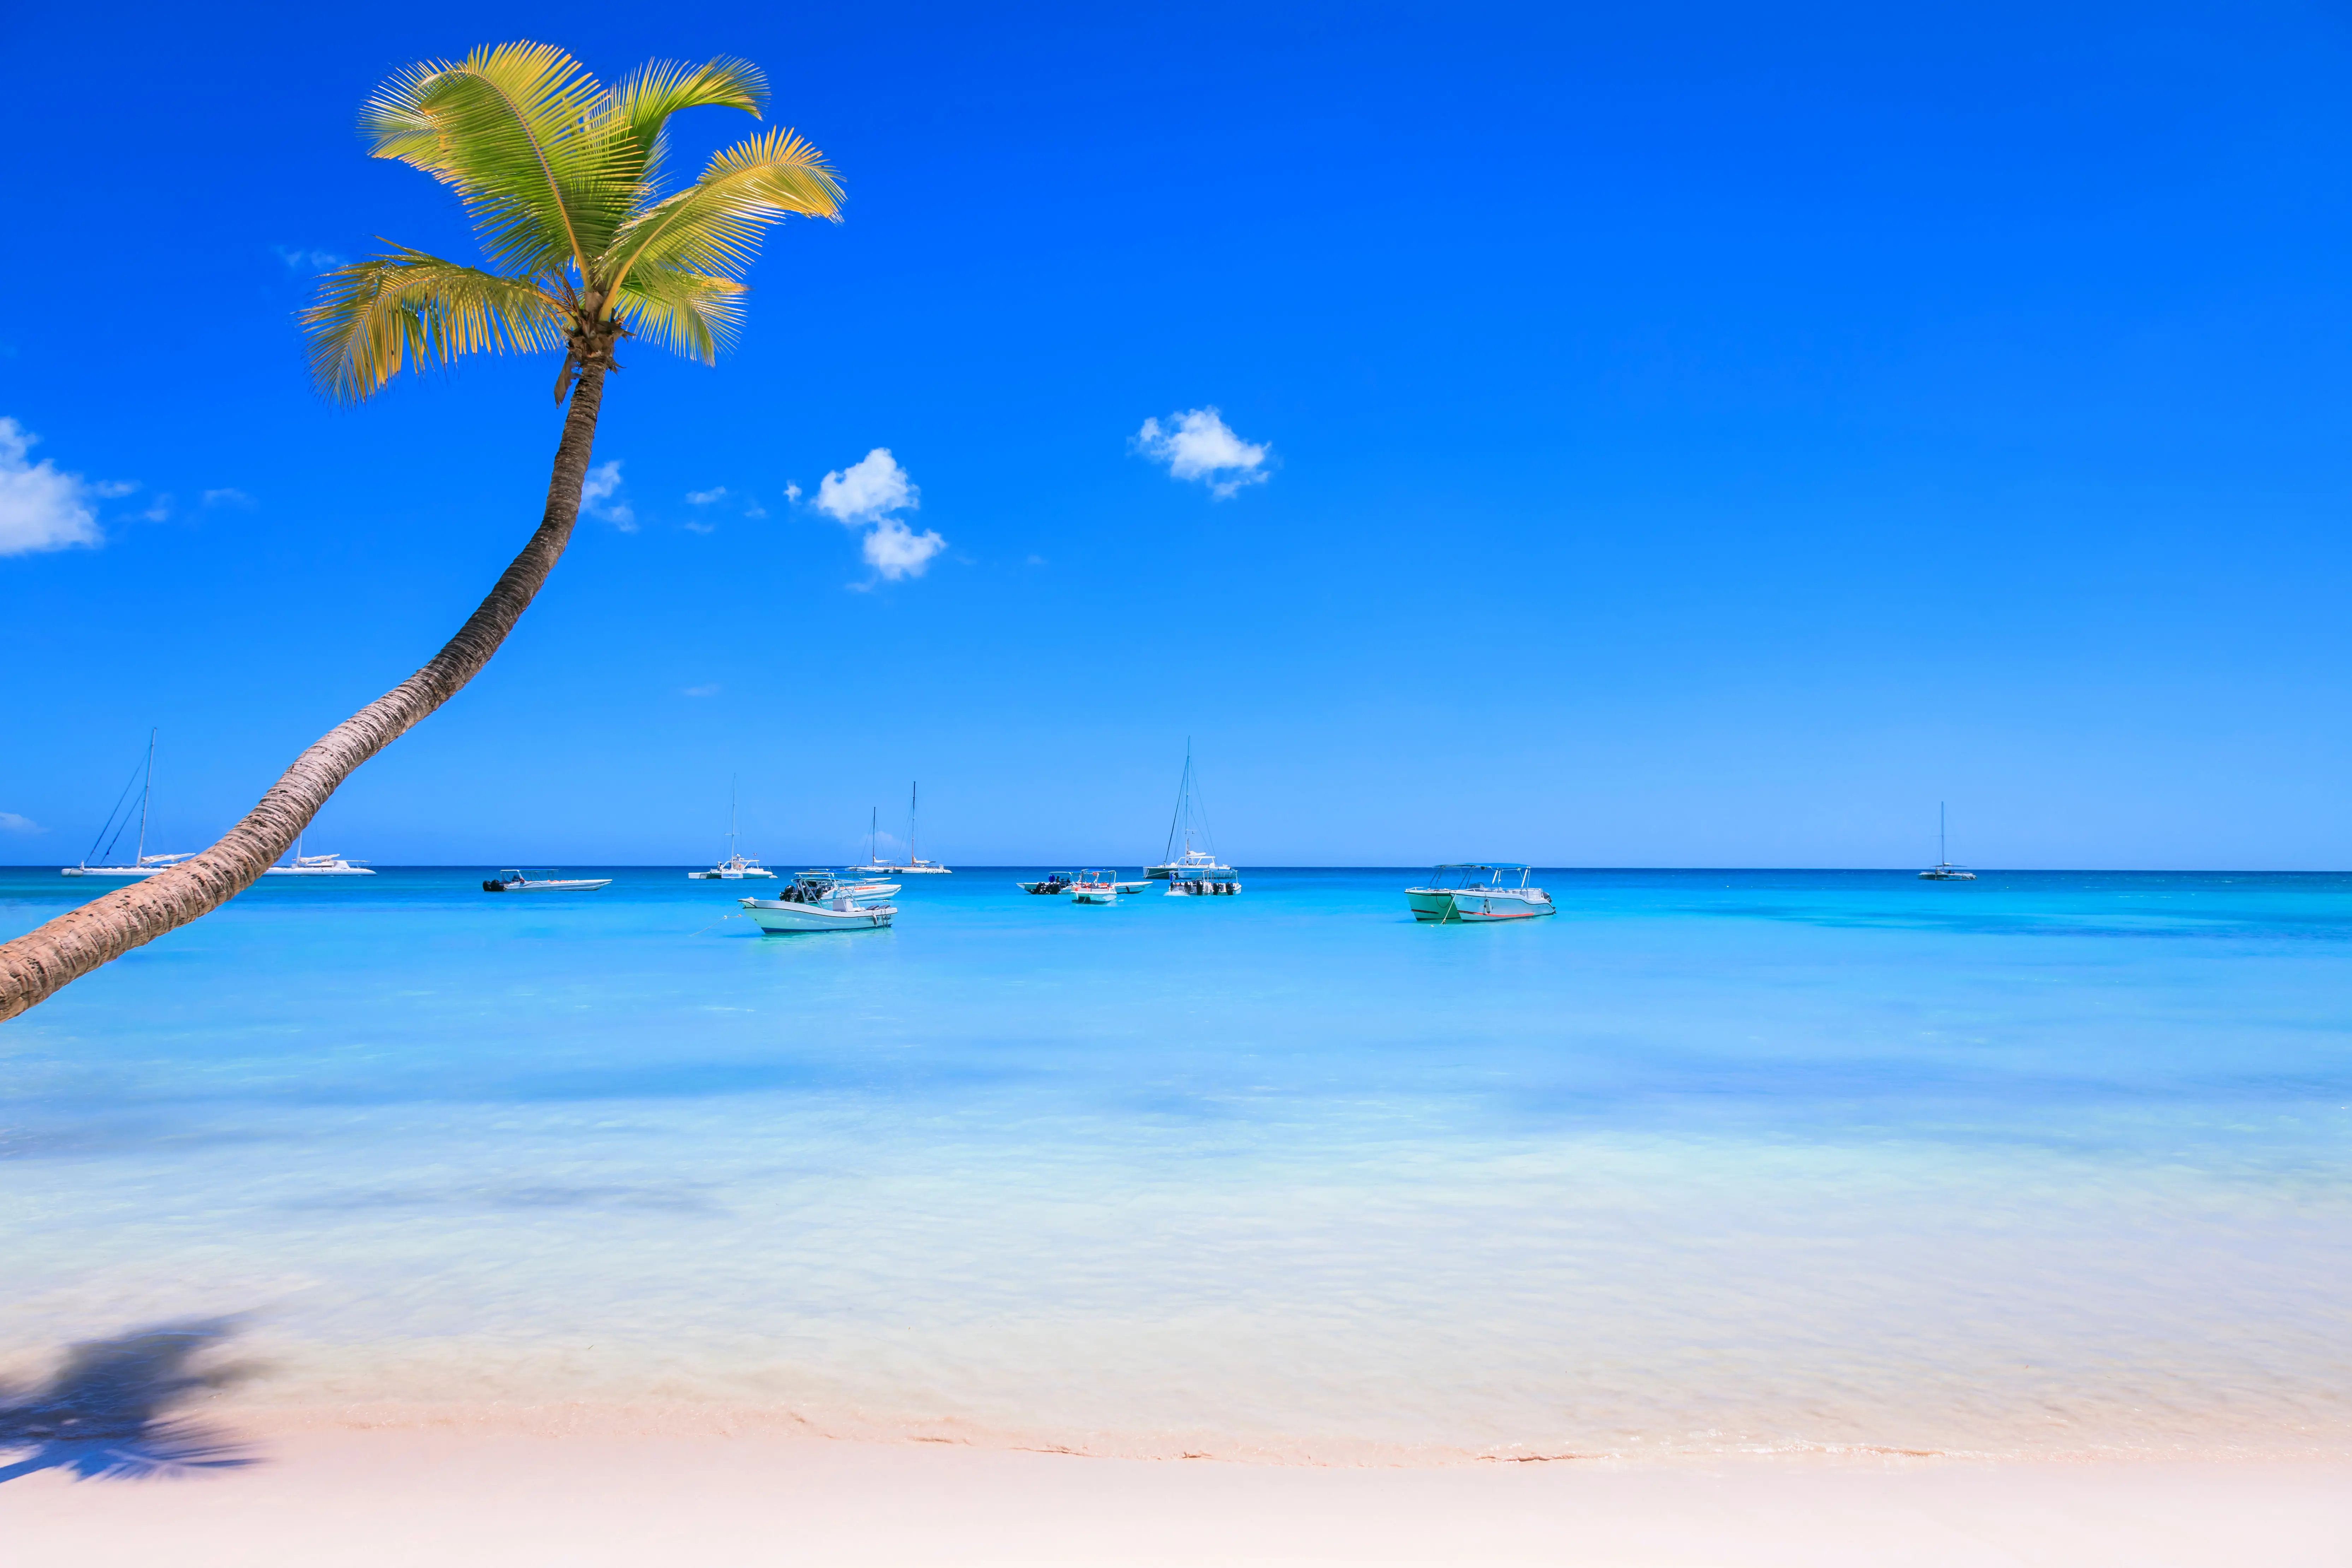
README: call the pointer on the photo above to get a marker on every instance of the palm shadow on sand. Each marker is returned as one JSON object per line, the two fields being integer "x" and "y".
{"x": 106, "y": 1415}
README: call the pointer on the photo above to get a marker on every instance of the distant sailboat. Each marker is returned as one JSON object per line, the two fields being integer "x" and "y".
{"x": 737, "y": 866}
{"x": 142, "y": 864}
{"x": 1943, "y": 870}
{"x": 1192, "y": 820}
{"x": 915, "y": 864}
{"x": 318, "y": 865}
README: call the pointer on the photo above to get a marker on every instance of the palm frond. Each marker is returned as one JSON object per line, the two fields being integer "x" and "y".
{"x": 691, "y": 313}
{"x": 714, "y": 225}
{"x": 519, "y": 131}
{"x": 374, "y": 318}
{"x": 641, "y": 105}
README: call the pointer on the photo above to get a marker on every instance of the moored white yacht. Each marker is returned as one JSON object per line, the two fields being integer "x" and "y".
{"x": 318, "y": 865}
{"x": 738, "y": 865}
{"x": 1455, "y": 894}
{"x": 1191, "y": 821}
{"x": 821, "y": 900}
{"x": 1943, "y": 870}
{"x": 141, "y": 863}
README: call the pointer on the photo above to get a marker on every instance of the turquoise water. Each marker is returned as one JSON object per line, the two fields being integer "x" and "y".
{"x": 2042, "y": 1164}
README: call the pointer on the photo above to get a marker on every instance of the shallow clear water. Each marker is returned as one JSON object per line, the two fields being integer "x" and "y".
{"x": 2039, "y": 1163}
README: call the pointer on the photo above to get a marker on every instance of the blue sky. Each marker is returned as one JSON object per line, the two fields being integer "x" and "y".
{"x": 1705, "y": 436}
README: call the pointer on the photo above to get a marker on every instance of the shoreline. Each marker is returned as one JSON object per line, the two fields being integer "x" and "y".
{"x": 401, "y": 1496}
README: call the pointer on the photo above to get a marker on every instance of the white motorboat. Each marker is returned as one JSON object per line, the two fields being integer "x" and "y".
{"x": 738, "y": 865}
{"x": 1094, "y": 887}
{"x": 516, "y": 882}
{"x": 1059, "y": 882}
{"x": 1943, "y": 870}
{"x": 818, "y": 901}
{"x": 1190, "y": 821}
{"x": 1455, "y": 894}
{"x": 318, "y": 865}
{"x": 141, "y": 863}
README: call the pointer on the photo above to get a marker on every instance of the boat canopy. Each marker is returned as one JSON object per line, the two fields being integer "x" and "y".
{"x": 1485, "y": 866}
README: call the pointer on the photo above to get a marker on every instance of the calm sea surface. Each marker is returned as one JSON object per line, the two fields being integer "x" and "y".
{"x": 2042, "y": 1164}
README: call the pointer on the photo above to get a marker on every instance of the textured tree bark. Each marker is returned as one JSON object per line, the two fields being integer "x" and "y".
{"x": 39, "y": 964}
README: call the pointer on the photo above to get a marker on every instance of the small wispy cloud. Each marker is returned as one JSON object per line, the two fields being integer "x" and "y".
{"x": 160, "y": 510}
{"x": 705, "y": 498}
{"x": 112, "y": 490}
{"x": 709, "y": 691}
{"x": 41, "y": 506}
{"x": 227, "y": 498}
{"x": 1199, "y": 445}
{"x": 300, "y": 260}
{"x": 1036, "y": 560}
{"x": 12, "y": 823}
{"x": 752, "y": 508}
{"x": 597, "y": 496}
{"x": 869, "y": 495}
{"x": 692, "y": 527}
{"x": 792, "y": 493}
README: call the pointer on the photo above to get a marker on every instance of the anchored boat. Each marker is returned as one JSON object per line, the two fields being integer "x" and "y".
{"x": 516, "y": 882}
{"x": 738, "y": 865}
{"x": 1094, "y": 887}
{"x": 1059, "y": 882}
{"x": 1190, "y": 821}
{"x": 821, "y": 900}
{"x": 141, "y": 863}
{"x": 1943, "y": 870}
{"x": 1456, "y": 893}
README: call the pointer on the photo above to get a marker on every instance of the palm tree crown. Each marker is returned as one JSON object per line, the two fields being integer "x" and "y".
{"x": 564, "y": 181}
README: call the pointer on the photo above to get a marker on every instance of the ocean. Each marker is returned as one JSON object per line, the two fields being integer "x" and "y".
{"x": 2044, "y": 1165}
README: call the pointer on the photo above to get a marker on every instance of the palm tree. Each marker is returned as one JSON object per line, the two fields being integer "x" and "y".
{"x": 564, "y": 179}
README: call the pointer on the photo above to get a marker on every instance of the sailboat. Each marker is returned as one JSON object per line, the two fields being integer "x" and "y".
{"x": 1943, "y": 870}
{"x": 142, "y": 864}
{"x": 318, "y": 865}
{"x": 915, "y": 864}
{"x": 737, "y": 866}
{"x": 1197, "y": 869}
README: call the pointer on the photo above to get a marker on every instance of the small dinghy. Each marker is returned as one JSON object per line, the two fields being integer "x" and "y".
{"x": 516, "y": 882}
{"x": 820, "y": 901}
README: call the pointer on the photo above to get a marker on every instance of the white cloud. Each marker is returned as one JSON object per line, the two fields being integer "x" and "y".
{"x": 792, "y": 493}
{"x": 114, "y": 490}
{"x": 709, "y": 691}
{"x": 300, "y": 260}
{"x": 160, "y": 512}
{"x": 40, "y": 508}
{"x": 1199, "y": 445}
{"x": 753, "y": 508}
{"x": 596, "y": 496}
{"x": 868, "y": 489}
{"x": 227, "y": 498}
{"x": 692, "y": 527}
{"x": 864, "y": 495}
{"x": 12, "y": 823}
{"x": 704, "y": 498}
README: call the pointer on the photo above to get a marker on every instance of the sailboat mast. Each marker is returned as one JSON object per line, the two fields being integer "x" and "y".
{"x": 144, "y": 795}
{"x": 730, "y": 816}
{"x": 914, "y": 792}
{"x": 872, "y": 831}
{"x": 1942, "y": 857}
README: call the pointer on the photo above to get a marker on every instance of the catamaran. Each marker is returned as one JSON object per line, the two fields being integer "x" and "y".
{"x": 915, "y": 864}
{"x": 1943, "y": 870}
{"x": 319, "y": 866}
{"x": 1455, "y": 894}
{"x": 141, "y": 863}
{"x": 820, "y": 901}
{"x": 1191, "y": 821}
{"x": 738, "y": 865}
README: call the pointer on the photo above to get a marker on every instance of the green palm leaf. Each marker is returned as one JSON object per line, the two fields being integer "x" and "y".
{"x": 714, "y": 225}
{"x": 375, "y": 317}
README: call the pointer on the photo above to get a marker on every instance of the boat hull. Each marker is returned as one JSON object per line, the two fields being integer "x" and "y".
{"x": 780, "y": 916}
{"x": 572, "y": 885}
{"x": 111, "y": 870}
{"x": 319, "y": 871}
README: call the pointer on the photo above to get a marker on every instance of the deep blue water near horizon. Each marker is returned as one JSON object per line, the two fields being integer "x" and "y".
{"x": 2044, "y": 1163}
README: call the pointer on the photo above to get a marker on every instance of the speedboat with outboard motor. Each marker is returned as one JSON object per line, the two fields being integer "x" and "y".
{"x": 1059, "y": 882}
{"x": 1094, "y": 887}
{"x": 516, "y": 882}
{"x": 819, "y": 901}
{"x": 1455, "y": 894}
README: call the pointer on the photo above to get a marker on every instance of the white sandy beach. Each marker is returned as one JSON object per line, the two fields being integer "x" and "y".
{"x": 403, "y": 1497}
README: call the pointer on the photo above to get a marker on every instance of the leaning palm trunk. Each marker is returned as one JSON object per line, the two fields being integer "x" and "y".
{"x": 564, "y": 180}
{"x": 36, "y": 964}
